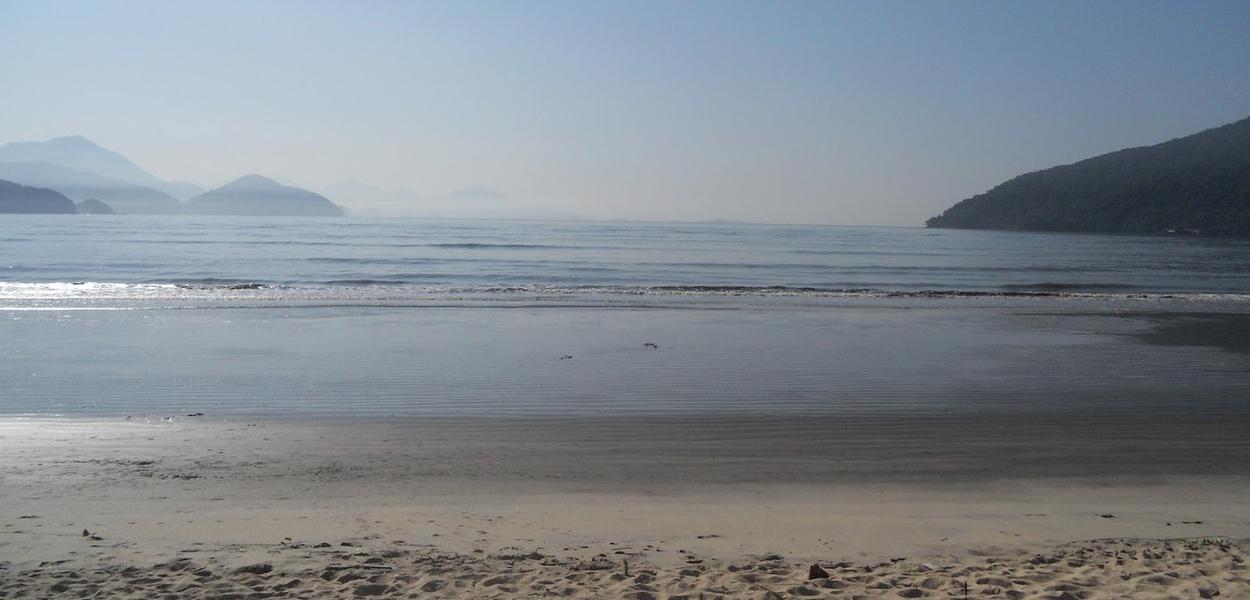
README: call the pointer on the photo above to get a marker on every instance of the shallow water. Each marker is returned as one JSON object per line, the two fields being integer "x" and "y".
{"x": 544, "y": 360}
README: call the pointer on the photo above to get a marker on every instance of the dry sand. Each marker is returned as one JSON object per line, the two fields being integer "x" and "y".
{"x": 537, "y": 508}
{"x": 1086, "y": 570}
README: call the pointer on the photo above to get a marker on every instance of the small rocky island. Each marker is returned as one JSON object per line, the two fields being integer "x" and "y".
{"x": 91, "y": 206}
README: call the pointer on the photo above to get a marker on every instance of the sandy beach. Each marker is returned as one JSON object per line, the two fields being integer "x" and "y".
{"x": 1035, "y": 453}
{"x": 693, "y": 300}
{"x": 200, "y": 507}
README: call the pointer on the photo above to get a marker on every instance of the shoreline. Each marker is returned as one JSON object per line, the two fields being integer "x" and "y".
{"x": 954, "y": 444}
{"x": 163, "y": 486}
{"x": 251, "y": 508}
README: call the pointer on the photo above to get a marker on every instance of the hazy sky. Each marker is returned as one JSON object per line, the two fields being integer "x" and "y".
{"x": 802, "y": 112}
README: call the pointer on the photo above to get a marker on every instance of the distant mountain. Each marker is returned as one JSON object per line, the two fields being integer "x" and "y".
{"x": 81, "y": 154}
{"x": 256, "y": 195}
{"x": 1198, "y": 184}
{"x": 18, "y": 198}
{"x": 80, "y": 185}
{"x": 91, "y": 206}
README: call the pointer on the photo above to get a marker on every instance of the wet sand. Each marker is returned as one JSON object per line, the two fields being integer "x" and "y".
{"x": 1227, "y": 331}
{"x": 725, "y": 507}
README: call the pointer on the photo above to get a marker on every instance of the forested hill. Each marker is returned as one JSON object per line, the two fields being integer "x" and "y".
{"x": 18, "y": 198}
{"x": 261, "y": 196}
{"x": 1194, "y": 184}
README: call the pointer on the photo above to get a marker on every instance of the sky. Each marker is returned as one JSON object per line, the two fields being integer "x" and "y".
{"x": 830, "y": 112}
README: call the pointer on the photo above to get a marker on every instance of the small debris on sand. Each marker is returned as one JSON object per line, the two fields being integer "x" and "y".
{"x": 1208, "y": 568}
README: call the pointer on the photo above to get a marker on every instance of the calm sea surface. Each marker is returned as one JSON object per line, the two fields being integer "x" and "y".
{"x": 351, "y": 257}
{"x": 172, "y": 315}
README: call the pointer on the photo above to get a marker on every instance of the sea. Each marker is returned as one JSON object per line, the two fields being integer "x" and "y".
{"x": 170, "y": 316}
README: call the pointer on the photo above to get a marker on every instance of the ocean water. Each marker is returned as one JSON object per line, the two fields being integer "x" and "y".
{"x": 169, "y": 316}
{"x": 178, "y": 257}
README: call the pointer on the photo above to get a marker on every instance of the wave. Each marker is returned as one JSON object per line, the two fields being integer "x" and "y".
{"x": 362, "y": 282}
{"x": 780, "y": 290}
{"x": 214, "y": 282}
{"x": 231, "y": 286}
{"x": 370, "y": 260}
{"x": 352, "y": 244}
{"x": 547, "y": 265}
{"x": 350, "y": 289}
{"x": 1047, "y": 286}
{"x": 478, "y": 245}
{"x": 227, "y": 242}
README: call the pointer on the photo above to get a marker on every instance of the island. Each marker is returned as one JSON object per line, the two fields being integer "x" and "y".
{"x": 1198, "y": 184}
{"x": 79, "y": 185}
{"x": 91, "y": 206}
{"x": 16, "y": 198}
{"x": 254, "y": 195}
